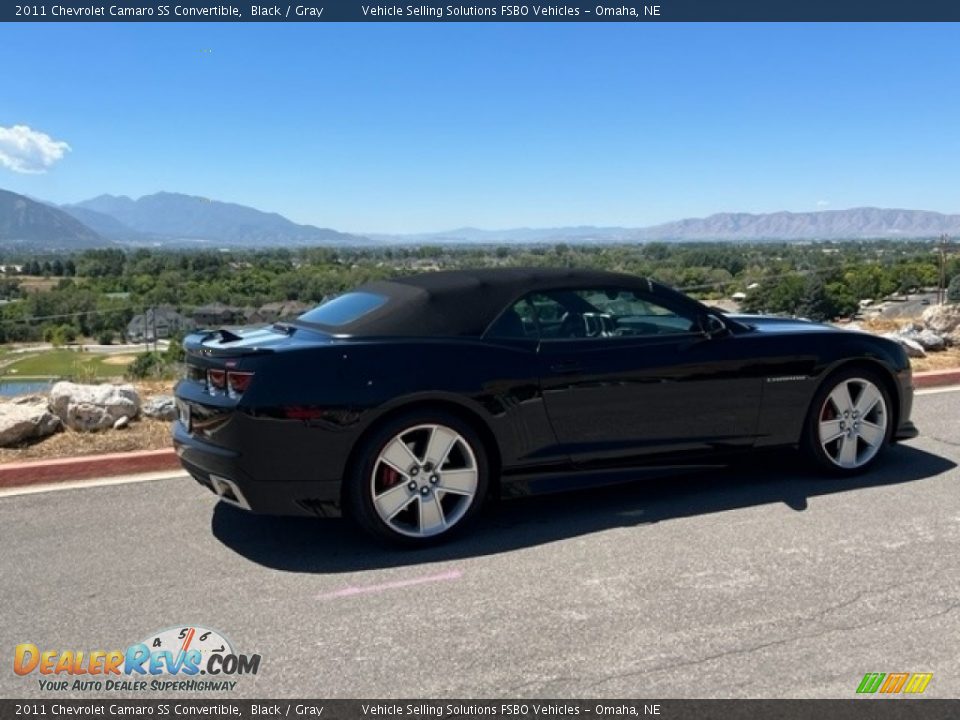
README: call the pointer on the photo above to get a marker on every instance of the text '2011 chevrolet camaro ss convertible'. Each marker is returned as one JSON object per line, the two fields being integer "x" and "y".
{"x": 405, "y": 403}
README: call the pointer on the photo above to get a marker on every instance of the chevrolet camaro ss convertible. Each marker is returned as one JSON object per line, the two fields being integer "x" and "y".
{"x": 405, "y": 403}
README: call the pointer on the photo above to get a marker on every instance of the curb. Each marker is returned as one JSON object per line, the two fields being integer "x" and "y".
{"x": 936, "y": 378}
{"x": 38, "y": 472}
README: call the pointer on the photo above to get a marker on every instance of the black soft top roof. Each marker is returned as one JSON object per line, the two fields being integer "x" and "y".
{"x": 463, "y": 302}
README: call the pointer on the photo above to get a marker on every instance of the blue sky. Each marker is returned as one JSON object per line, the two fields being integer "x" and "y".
{"x": 419, "y": 127}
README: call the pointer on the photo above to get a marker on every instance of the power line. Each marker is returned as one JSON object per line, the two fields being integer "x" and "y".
{"x": 35, "y": 318}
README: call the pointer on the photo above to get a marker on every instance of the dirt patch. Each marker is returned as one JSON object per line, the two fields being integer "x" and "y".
{"x": 119, "y": 359}
{"x": 149, "y": 388}
{"x": 948, "y": 359}
{"x": 143, "y": 434}
{"x": 38, "y": 283}
{"x": 883, "y": 325}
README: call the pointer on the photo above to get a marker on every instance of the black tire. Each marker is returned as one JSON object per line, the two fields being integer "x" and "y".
{"x": 827, "y": 459}
{"x": 361, "y": 484}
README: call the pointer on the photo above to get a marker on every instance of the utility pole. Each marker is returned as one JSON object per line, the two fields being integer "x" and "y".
{"x": 942, "y": 279}
{"x": 153, "y": 317}
{"x": 146, "y": 328}
{"x": 943, "y": 250}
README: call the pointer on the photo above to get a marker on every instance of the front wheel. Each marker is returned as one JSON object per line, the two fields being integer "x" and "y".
{"x": 421, "y": 478}
{"x": 849, "y": 422}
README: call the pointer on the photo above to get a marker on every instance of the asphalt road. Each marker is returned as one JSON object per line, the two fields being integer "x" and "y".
{"x": 759, "y": 581}
{"x": 912, "y": 307}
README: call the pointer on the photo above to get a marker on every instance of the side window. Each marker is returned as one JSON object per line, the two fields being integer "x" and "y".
{"x": 517, "y": 321}
{"x": 600, "y": 313}
{"x": 622, "y": 313}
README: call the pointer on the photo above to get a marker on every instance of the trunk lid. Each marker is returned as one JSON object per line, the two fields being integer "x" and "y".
{"x": 237, "y": 342}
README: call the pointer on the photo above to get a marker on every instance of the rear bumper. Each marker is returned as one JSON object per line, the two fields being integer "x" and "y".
{"x": 220, "y": 470}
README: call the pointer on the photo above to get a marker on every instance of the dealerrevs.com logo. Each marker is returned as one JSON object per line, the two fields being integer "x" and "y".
{"x": 186, "y": 658}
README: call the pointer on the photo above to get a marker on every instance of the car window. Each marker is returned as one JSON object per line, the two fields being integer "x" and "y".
{"x": 344, "y": 309}
{"x": 517, "y": 321}
{"x": 600, "y": 313}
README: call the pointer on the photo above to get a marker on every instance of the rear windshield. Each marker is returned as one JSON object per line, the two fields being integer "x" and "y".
{"x": 344, "y": 309}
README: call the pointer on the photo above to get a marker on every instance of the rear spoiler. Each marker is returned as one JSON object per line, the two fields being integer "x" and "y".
{"x": 226, "y": 336}
{"x": 195, "y": 344}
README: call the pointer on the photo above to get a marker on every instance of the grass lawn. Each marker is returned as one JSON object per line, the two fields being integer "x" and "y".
{"x": 68, "y": 364}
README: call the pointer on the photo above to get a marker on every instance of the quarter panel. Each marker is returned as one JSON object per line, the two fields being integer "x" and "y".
{"x": 318, "y": 402}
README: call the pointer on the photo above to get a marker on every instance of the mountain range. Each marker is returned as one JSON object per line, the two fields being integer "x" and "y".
{"x": 28, "y": 224}
{"x": 853, "y": 224}
{"x": 189, "y": 219}
{"x": 175, "y": 220}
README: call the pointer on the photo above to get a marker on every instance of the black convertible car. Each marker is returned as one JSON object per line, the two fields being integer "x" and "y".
{"x": 405, "y": 403}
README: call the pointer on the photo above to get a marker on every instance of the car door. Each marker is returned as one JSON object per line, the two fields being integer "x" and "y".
{"x": 627, "y": 374}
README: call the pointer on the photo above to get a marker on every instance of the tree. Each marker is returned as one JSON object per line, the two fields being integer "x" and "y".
{"x": 784, "y": 295}
{"x": 953, "y": 290}
{"x": 815, "y": 304}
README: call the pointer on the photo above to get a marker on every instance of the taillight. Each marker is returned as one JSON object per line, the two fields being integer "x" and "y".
{"x": 238, "y": 382}
{"x": 232, "y": 382}
{"x": 216, "y": 381}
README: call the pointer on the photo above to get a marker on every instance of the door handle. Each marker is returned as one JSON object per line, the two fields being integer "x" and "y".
{"x": 565, "y": 367}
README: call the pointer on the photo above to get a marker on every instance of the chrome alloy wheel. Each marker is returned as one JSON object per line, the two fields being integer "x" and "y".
{"x": 852, "y": 423}
{"x": 424, "y": 480}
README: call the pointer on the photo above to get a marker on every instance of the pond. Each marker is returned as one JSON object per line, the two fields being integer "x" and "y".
{"x": 9, "y": 388}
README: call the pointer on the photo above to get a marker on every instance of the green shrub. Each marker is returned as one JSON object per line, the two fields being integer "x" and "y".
{"x": 146, "y": 365}
{"x": 59, "y": 335}
{"x": 174, "y": 352}
{"x": 953, "y": 290}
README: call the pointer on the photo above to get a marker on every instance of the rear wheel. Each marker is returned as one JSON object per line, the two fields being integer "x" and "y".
{"x": 849, "y": 422}
{"x": 421, "y": 478}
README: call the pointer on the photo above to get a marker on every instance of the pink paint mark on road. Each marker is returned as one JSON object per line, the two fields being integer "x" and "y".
{"x": 368, "y": 589}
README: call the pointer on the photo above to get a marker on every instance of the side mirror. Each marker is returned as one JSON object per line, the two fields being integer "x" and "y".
{"x": 711, "y": 326}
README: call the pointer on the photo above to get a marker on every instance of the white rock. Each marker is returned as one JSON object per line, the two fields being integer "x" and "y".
{"x": 913, "y": 348}
{"x": 161, "y": 407}
{"x": 942, "y": 319}
{"x": 20, "y": 421}
{"x": 121, "y": 423}
{"x": 88, "y": 408}
{"x": 927, "y": 339}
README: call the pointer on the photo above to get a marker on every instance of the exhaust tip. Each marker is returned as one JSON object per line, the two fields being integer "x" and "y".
{"x": 228, "y": 491}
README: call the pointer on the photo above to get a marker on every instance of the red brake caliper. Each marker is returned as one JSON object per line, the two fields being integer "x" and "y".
{"x": 390, "y": 477}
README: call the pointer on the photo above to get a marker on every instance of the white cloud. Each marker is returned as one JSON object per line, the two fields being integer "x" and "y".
{"x": 822, "y": 203}
{"x": 25, "y": 150}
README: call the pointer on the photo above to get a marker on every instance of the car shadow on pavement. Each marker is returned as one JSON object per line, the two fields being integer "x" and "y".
{"x": 309, "y": 545}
